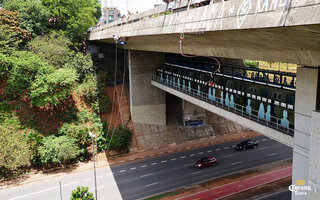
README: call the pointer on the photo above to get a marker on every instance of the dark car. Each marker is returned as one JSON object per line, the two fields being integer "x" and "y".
{"x": 247, "y": 144}
{"x": 206, "y": 162}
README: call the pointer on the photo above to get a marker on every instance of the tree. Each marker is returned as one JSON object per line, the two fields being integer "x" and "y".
{"x": 52, "y": 88}
{"x": 21, "y": 68}
{"x": 35, "y": 18}
{"x": 12, "y": 21}
{"x": 81, "y": 193}
{"x": 54, "y": 48}
{"x": 8, "y": 40}
{"x": 74, "y": 17}
{"x": 58, "y": 150}
{"x": 14, "y": 150}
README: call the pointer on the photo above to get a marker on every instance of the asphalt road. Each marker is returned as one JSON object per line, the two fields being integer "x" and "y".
{"x": 156, "y": 175}
{"x": 281, "y": 195}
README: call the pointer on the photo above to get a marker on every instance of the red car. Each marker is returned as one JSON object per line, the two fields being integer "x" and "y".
{"x": 206, "y": 162}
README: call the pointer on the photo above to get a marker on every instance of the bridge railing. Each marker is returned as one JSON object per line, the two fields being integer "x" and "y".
{"x": 273, "y": 122}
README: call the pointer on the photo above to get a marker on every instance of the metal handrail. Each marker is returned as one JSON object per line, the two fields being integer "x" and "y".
{"x": 274, "y": 123}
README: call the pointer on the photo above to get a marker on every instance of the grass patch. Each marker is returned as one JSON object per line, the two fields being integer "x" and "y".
{"x": 157, "y": 197}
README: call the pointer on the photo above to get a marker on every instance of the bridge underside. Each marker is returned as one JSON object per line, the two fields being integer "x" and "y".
{"x": 296, "y": 44}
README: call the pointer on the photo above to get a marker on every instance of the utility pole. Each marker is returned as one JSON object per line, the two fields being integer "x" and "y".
{"x": 94, "y": 166}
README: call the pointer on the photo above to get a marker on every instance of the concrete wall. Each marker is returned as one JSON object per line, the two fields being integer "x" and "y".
{"x": 306, "y": 100}
{"x": 147, "y": 103}
{"x": 314, "y": 162}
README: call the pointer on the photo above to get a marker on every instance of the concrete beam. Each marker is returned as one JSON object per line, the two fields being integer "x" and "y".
{"x": 276, "y": 135}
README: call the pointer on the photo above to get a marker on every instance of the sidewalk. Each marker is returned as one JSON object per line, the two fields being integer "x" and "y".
{"x": 136, "y": 155}
{"x": 236, "y": 187}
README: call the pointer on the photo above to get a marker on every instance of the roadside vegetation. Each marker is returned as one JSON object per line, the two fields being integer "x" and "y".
{"x": 50, "y": 96}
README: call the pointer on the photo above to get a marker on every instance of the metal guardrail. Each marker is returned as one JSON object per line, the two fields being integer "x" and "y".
{"x": 274, "y": 123}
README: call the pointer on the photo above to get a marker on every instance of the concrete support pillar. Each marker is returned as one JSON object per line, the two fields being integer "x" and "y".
{"x": 147, "y": 103}
{"x": 306, "y": 103}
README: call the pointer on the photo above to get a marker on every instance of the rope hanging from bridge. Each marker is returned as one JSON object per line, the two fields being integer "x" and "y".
{"x": 211, "y": 82}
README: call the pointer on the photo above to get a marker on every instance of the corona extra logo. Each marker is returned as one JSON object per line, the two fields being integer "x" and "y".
{"x": 300, "y": 182}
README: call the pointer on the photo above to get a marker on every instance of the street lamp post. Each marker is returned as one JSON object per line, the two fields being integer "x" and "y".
{"x": 94, "y": 165}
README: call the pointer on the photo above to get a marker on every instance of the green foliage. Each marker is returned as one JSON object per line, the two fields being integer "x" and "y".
{"x": 35, "y": 18}
{"x": 57, "y": 150}
{"x": 52, "y": 88}
{"x": 89, "y": 89}
{"x": 14, "y": 151}
{"x": 79, "y": 132}
{"x": 35, "y": 141}
{"x": 74, "y": 16}
{"x": 250, "y": 64}
{"x": 22, "y": 68}
{"x": 53, "y": 48}
{"x": 8, "y": 40}
{"x": 81, "y": 193}
{"x": 120, "y": 141}
{"x": 83, "y": 64}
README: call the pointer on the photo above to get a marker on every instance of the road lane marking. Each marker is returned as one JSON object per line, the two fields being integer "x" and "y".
{"x": 154, "y": 163}
{"x": 209, "y": 151}
{"x": 228, "y": 156}
{"x": 33, "y": 193}
{"x": 218, "y": 149}
{"x": 196, "y": 172}
{"x": 87, "y": 179}
{"x": 133, "y": 168}
{"x": 226, "y": 148}
{"x": 146, "y": 175}
{"x": 143, "y": 165}
{"x": 191, "y": 155}
{"x": 264, "y": 140}
{"x": 122, "y": 170}
{"x": 173, "y": 159}
{"x": 164, "y": 161}
{"x": 99, "y": 176}
{"x": 234, "y": 146}
{"x": 151, "y": 184}
{"x": 263, "y": 148}
{"x": 182, "y": 157}
{"x": 200, "y": 153}
{"x": 235, "y": 163}
{"x": 272, "y": 154}
{"x": 188, "y": 165}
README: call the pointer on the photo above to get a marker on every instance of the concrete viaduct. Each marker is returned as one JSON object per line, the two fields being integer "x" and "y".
{"x": 269, "y": 30}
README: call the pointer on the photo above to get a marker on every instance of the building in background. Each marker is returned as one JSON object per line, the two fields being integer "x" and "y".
{"x": 110, "y": 14}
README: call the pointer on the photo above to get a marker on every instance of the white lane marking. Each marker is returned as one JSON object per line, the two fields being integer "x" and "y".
{"x": 235, "y": 163}
{"x": 264, "y": 140}
{"x": 200, "y": 153}
{"x": 263, "y": 148}
{"x": 234, "y": 146}
{"x": 146, "y": 175}
{"x": 99, "y": 176}
{"x": 33, "y": 193}
{"x": 173, "y": 159}
{"x": 188, "y": 165}
{"x": 191, "y": 155}
{"x": 87, "y": 179}
{"x": 226, "y": 148}
{"x": 272, "y": 154}
{"x": 151, "y": 184}
{"x": 228, "y": 156}
{"x": 154, "y": 163}
{"x": 218, "y": 149}
{"x": 182, "y": 157}
{"x": 133, "y": 168}
{"x": 209, "y": 151}
{"x": 143, "y": 166}
{"x": 196, "y": 172}
{"x": 164, "y": 161}
{"x": 122, "y": 170}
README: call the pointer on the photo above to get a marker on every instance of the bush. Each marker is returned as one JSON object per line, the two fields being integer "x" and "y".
{"x": 89, "y": 89}
{"x": 81, "y": 193}
{"x": 14, "y": 150}
{"x": 35, "y": 141}
{"x": 120, "y": 141}
{"x": 58, "y": 150}
{"x": 250, "y": 64}
{"x": 79, "y": 132}
{"x": 83, "y": 64}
